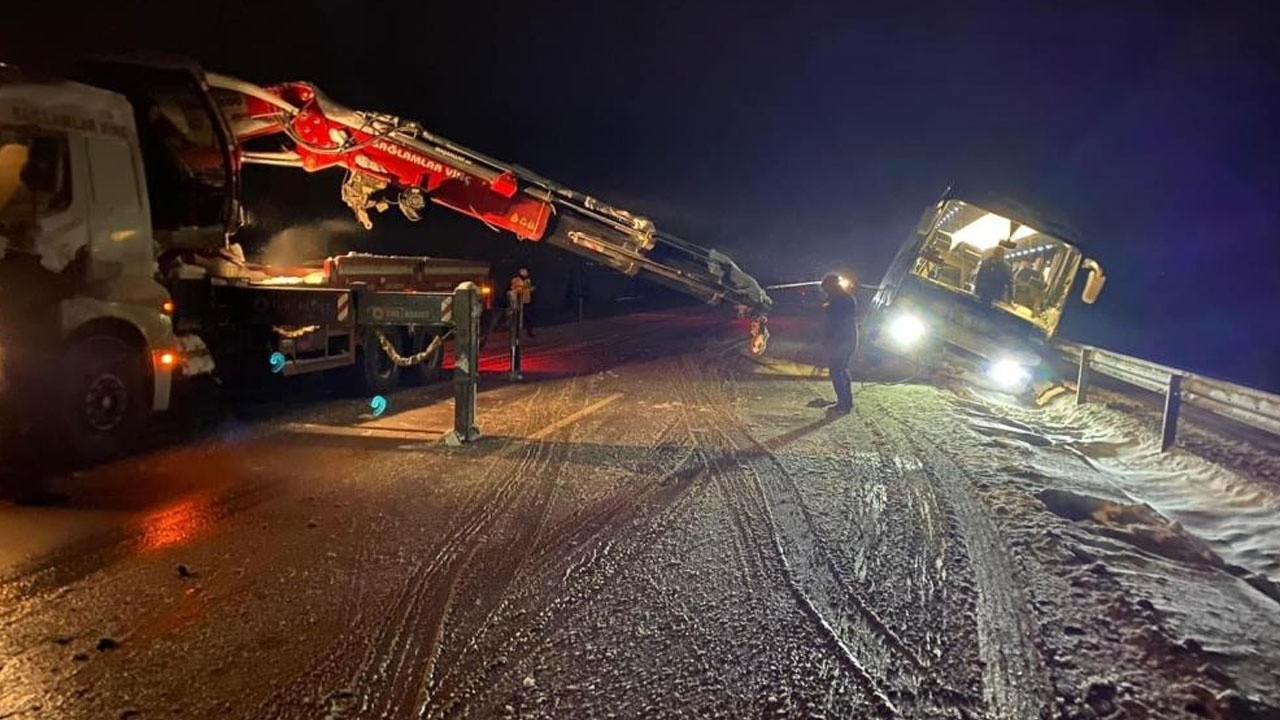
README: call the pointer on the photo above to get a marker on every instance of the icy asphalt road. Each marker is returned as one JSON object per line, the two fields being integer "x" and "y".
{"x": 652, "y": 526}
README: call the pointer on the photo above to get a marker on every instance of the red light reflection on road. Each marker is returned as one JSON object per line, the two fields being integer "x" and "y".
{"x": 535, "y": 360}
{"x": 542, "y": 363}
{"x": 175, "y": 524}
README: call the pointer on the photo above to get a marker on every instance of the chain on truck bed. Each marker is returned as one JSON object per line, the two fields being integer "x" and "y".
{"x": 387, "y": 346}
{"x": 415, "y": 359}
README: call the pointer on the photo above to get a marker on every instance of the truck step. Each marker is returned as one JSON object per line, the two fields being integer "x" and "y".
{"x": 308, "y": 365}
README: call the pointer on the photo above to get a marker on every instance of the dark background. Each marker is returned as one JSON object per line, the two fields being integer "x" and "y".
{"x": 800, "y": 136}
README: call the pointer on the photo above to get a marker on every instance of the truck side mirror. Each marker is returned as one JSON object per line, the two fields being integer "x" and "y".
{"x": 1093, "y": 284}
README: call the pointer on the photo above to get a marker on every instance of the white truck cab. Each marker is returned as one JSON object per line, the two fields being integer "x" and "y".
{"x": 78, "y": 271}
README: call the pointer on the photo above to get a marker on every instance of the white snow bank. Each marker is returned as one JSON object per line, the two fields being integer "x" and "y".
{"x": 1236, "y": 513}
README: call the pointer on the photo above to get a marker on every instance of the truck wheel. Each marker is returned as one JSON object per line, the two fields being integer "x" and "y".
{"x": 103, "y": 403}
{"x": 427, "y": 371}
{"x": 377, "y": 374}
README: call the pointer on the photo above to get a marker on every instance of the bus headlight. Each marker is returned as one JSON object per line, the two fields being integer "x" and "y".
{"x": 1009, "y": 374}
{"x": 906, "y": 329}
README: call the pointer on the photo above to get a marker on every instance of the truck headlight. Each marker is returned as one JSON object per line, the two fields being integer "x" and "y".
{"x": 1009, "y": 374}
{"x": 906, "y": 329}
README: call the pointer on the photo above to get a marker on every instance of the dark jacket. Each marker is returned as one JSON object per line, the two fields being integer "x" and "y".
{"x": 840, "y": 329}
{"x": 992, "y": 281}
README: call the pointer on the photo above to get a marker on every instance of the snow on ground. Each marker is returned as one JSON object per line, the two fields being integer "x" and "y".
{"x": 1196, "y": 540}
{"x": 1235, "y": 511}
{"x": 1145, "y": 573}
{"x": 652, "y": 526}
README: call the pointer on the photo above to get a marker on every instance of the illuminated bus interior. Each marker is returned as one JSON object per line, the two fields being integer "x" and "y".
{"x": 1041, "y": 267}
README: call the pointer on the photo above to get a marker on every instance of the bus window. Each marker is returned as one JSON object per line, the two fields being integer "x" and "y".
{"x": 1040, "y": 266}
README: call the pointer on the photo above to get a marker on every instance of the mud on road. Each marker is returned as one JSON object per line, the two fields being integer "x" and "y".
{"x": 652, "y": 526}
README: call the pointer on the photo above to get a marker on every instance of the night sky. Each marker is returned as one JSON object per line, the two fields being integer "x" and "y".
{"x": 803, "y": 136}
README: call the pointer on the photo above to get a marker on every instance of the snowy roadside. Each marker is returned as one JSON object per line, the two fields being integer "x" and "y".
{"x": 1186, "y": 548}
{"x": 1149, "y": 576}
{"x": 1230, "y": 502}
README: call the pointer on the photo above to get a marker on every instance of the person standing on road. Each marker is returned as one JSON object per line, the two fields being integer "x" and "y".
{"x": 522, "y": 293}
{"x": 840, "y": 338}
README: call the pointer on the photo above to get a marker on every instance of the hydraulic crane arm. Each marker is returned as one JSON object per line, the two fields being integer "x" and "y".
{"x": 389, "y": 161}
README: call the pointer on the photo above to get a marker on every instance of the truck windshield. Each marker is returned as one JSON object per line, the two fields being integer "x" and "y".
{"x": 35, "y": 182}
{"x": 1038, "y": 268}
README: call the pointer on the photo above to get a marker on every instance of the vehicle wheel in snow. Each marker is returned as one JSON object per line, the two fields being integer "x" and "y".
{"x": 103, "y": 401}
{"x": 375, "y": 372}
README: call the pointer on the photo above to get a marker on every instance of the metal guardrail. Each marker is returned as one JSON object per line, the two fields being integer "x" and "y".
{"x": 1245, "y": 405}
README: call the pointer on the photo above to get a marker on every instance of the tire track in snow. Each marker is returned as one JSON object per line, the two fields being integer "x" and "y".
{"x": 612, "y": 556}
{"x": 816, "y": 593}
{"x": 918, "y": 517}
{"x": 912, "y": 504}
{"x": 399, "y": 647}
{"x": 511, "y": 556}
{"x": 527, "y": 479}
{"x": 1015, "y": 680}
{"x": 609, "y": 542}
{"x": 388, "y": 676}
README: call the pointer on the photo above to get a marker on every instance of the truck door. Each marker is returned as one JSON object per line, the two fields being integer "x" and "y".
{"x": 192, "y": 174}
{"x": 42, "y": 228}
{"x": 120, "y": 240}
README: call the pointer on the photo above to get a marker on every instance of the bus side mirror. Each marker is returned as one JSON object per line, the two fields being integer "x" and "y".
{"x": 1093, "y": 284}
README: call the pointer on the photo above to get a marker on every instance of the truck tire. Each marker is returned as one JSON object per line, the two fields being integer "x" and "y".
{"x": 375, "y": 373}
{"x": 103, "y": 399}
{"x": 427, "y": 371}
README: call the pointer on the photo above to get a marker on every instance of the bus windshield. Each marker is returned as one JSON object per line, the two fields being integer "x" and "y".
{"x": 1038, "y": 268}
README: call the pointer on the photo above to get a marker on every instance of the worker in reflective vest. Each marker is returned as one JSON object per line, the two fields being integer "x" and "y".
{"x": 522, "y": 293}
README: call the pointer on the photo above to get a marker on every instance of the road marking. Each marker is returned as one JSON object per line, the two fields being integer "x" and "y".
{"x": 570, "y": 419}
{"x": 403, "y": 433}
{"x": 362, "y": 432}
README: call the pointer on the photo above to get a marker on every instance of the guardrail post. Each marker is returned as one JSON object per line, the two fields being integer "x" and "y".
{"x": 1247, "y": 406}
{"x": 1082, "y": 379}
{"x": 1172, "y": 404}
{"x": 516, "y": 326}
{"x": 466, "y": 373}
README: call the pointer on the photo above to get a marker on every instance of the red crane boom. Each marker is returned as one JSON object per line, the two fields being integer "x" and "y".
{"x": 392, "y": 162}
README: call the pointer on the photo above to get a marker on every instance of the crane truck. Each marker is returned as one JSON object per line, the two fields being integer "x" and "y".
{"x": 120, "y": 204}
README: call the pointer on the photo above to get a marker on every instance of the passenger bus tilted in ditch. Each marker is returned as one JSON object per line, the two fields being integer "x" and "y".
{"x": 979, "y": 290}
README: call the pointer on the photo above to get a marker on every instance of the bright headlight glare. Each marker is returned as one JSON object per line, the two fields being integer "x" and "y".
{"x": 1008, "y": 373}
{"x": 906, "y": 329}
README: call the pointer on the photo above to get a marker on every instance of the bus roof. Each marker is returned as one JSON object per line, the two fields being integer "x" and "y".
{"x": 1020, "y": 210}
